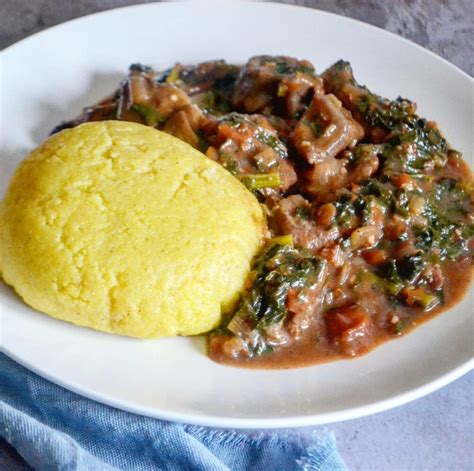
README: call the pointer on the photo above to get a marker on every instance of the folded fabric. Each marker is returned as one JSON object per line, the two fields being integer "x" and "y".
{"x": 52, "y": 428}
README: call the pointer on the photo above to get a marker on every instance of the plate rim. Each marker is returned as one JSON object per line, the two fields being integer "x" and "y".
{"x": 249, "y": 422}
{"x": 237, "y": 2}
{"x": 259, "y": 423}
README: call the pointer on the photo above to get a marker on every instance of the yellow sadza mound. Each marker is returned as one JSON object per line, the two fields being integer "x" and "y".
{"x": 125, "y": 229}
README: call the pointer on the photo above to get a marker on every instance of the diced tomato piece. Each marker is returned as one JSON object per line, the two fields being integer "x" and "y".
{"x": 351, "y": 329}
{"x": 403, "y": 180}
{"x": 375, "y": 256}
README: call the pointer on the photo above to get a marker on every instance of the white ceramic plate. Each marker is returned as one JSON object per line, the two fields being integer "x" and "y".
{"x": 49, "y": 77}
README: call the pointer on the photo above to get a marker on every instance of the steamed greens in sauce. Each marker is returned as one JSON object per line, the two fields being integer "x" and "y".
{"x": 369, "y": 210}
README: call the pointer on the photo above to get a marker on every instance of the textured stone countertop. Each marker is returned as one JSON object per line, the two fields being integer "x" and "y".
{"x": 432, "y": 433}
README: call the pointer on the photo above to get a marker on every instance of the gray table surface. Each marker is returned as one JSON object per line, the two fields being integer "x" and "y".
{"x": 432, "y": 433}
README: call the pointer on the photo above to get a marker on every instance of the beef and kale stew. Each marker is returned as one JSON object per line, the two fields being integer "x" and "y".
{"x": 370, "y": 212}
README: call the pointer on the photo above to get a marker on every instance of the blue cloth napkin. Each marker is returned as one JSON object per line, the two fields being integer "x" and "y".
{"x": 54, "y": 429}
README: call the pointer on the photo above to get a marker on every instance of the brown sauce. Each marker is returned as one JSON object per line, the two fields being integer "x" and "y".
{"x": 314, "y": 348}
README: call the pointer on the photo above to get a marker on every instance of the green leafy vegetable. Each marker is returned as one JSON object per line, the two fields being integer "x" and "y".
{"x": 174, "y": 74}
{"x": 317, "y": 126}
{"x": 448, "y": 232}
{"x": 383, "y": 191}
{"x": 345, "y": 210}
{"x": 401, "y": 326}
{"x": 390, "y": 287}
{"x": 277, "y": 270}
{"x": 148, "y": 113}
{"x": 271, "y": 140}
{"x": 410, "y": 267}
{"x": 304, "y": 212}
